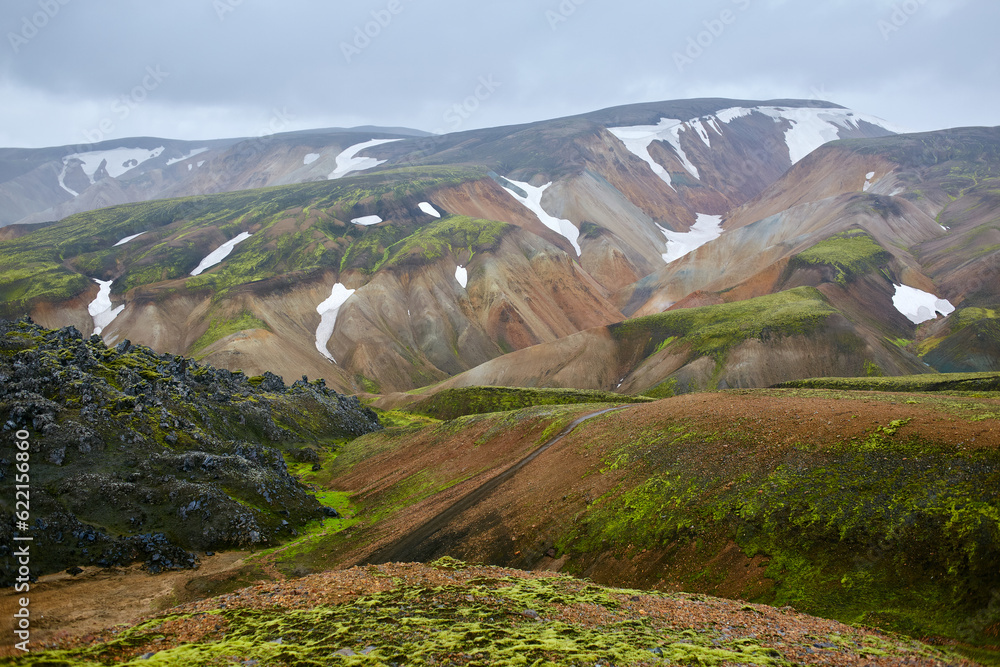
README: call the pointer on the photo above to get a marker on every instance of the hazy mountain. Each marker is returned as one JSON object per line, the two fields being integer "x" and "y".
{"x": 386, "y": 262}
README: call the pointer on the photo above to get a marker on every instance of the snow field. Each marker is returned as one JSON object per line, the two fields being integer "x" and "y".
{"x": 533, "y": 202}
{"x": 220, "y": 253}
{"x": 328, "y": 317}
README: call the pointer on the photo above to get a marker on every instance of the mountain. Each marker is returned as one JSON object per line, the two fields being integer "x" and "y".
{"x": 546, "y": 254}
{"x": 41, "y": 185}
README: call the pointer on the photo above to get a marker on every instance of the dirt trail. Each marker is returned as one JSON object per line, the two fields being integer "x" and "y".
{"x": 405, "y": 548}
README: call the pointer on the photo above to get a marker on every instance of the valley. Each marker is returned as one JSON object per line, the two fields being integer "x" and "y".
{"x": 693, "y": 382}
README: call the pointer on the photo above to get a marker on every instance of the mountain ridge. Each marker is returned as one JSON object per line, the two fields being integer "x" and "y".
{"x": 456, "y": 251}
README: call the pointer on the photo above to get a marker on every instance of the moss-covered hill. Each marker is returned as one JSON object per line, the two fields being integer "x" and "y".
{"x": 297, "y": 229}
{"x": 450, "y": 613}
{"x": 139, "y": 456}
{"x": 873, "y": 508}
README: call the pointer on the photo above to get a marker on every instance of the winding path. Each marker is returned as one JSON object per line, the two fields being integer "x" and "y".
{"x": 403, "y": 549}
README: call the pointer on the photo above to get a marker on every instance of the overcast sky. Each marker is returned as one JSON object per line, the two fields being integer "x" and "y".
{"x": 74, "y": 71}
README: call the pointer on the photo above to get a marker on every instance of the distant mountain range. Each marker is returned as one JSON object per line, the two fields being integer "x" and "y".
{"x": 652, "y": 248}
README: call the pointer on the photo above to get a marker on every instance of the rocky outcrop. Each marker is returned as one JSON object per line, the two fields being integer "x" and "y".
{"x": 140, "y": 456}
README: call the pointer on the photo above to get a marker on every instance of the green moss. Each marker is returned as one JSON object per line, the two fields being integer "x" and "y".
{"x": 218, "y": 329}
{"x": 850, "y": 254}
{"x": 937, "y": 382}
{"x": 489, "y": 620}
{"x": 714, "y": 330}
{"x": 873, "y": 370}
{"x": 964, "y": 317}
{"x": 53, "y": 262}
{"x": 449, "y": 234}
{"x": 663, "y": 390}
{"x": 453, "y": 403}
{"x": 889, "y": 526}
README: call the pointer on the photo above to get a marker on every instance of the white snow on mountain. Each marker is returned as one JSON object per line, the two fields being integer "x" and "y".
{"x": 196, "y": 151}
{"x": 347, "y": 161}
{"x": 116, "y": 161}
{"x": 810, "y": 127}
{"x": 705, "y": 229}
{"x": 62, "y": 182}
{"x": 533, "y": 202}
{"x": 427, "y": 208}
{"x": 367, "y": 220}
{"x": 310, "y": 158}
{"x": 328, "y": 317}
{"x": 920, "y": 306}
{"x": 220, "y": 253}
{"x": 129, "y": 238}
{"x": 868, "y": 181}
{"x": 637, "y": 139}
{"x": 462, "y": 276}
{"x": 100, "y": 308}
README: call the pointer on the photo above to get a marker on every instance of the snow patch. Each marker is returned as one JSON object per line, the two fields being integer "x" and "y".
{"x": 428, "y": 209}
{"x": 116, "y": 161}
{"x": 533, "y": 202}
{"x": 62, "y": 181}
{"x": 347, "y": 162}
{"x": 310, "y": 158}
{"x": 705, "y": 229}
{"x": 367, "y": 220}
{"x": 220, "y": 253}
{"x": 699, "y": 127}
{"x": 328, "y": 317}
{"x": 731, "y": 114}
{"x": 637, "y": 139}
{"x": 129, "y": 238}
{"x": 196, "y": 151}
{"x": 200, "y": 162}
{"x": 920, "y": 306}
{"x": 868, "y": 181}
{"x": 810, "y": 127}
{"x": 462, "y": 276}
{"x": 100, "y": 308}
{"x": 190, "y": 167}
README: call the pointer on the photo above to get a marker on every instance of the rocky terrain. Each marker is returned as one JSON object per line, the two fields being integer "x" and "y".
{"x": 143, "y": 457}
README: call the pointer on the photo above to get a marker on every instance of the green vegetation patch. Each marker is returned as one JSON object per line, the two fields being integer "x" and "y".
{"x": 219, "y": 329}
{"x": 458, "y": 402}
{"x": 450, "y": 234}
{"x": 484, "y": 618}
{"x": 55, "y": 262}
{"x": 714, "y": 330}
{"x": 851, "y": 254}
{"x": 942, "y": 382}
{"x": 893, "y": 528}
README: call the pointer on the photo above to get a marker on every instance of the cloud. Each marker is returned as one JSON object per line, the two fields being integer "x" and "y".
{"x": 231, "y": 63}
